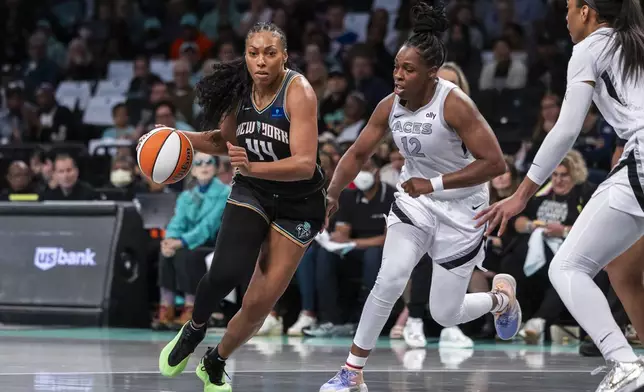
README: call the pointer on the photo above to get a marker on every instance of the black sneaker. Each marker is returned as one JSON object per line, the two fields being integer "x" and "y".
{"x": 211, "y": 370}
{"x": 174, "y": 356}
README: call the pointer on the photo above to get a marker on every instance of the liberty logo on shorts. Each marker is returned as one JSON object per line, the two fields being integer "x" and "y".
{"x": 303, "y": 231}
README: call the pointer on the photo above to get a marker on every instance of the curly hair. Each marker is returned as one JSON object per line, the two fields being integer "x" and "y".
{"x": 576, "y": 165}
{"x": 429, "y": 23}
{"x": 219, "y": 93}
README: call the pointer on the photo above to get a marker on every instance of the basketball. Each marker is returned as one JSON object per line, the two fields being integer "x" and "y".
{"x": 165, "y": 155}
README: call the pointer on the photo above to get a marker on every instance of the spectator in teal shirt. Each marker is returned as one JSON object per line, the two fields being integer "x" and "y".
{"x": 195, "y": 223}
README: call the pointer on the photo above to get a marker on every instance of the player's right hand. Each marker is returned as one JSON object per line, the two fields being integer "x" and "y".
{"x": 331, "y": 208}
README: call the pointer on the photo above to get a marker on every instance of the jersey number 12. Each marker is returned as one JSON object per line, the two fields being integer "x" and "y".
{"x": 254, "y": 146}
{"x": 415, "y": 145}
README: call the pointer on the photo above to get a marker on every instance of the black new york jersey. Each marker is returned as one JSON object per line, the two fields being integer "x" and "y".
{"x": 266, "y": 136}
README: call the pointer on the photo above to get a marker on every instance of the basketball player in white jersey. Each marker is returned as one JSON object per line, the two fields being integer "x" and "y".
{"x": 450, "y": 154}
{"x": 607, "y": 67}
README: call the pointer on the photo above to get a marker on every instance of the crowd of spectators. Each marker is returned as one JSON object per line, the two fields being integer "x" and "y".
{"x": 82, "y": 80}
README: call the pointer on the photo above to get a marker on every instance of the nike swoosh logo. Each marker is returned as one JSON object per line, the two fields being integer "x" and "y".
{"x": 477, "y": 207}
{"x": 605, "y": 337}
{"x": 398, "y": 115}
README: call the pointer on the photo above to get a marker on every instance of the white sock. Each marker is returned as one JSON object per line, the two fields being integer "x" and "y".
{"x": 502, "y": 302}
{"x": 355, "y": 362}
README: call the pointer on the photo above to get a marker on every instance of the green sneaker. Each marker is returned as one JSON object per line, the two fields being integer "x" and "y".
{"x": 175, "y": 355}
{"x": 211, "y": 371}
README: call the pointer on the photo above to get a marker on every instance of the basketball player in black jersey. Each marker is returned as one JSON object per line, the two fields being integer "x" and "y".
{"x": 269, "y": 129}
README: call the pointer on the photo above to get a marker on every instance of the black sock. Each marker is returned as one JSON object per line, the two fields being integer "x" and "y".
{"x": 219, "y": 357}
{"x": 191, "y": 324}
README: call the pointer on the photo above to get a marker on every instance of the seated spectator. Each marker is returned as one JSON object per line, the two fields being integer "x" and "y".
{"x": 69, "y": 187}
{"x": 390, "y": 173}
{"x": 191, "y": 33}
{"x": 372, "y": 87}
{"x": 595, "y": 143}
{"x": 166, "y": 113}
{"x": 354, "y": 119}
{"x": 341, "y": 37}
{"x": 121, "y": 129}
{"x": 361, "y": 225}
{"x": 542, "y": 227}
{"x": 21, "y": 188}
{"x": 550, "y": 108}
{"x": 189, "y": 52}
{"x": 122, "y": 176}
{"x": 55, "y": 49}
{"x": 57, "y": 123}
{"x": 195, "y": 223}
{"x": 332, "y": 105}
{"x": 317, "y": 75}
{"x": 503, "y": 72}
{"x": 42, "y": 168}
{"x": 39, "y": 69}
{"x": 19, "y": 121}
{"x": 143, "y": 79}
{"x": 80, "y": 64}
{"x": 182, "y": 93}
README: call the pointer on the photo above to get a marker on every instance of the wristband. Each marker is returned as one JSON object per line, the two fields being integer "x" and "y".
{"x": 530, "y": 226}
{"x": 437, "y": 183}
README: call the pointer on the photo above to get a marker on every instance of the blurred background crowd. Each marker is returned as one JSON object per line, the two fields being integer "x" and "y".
{"x": 82, "y": 80}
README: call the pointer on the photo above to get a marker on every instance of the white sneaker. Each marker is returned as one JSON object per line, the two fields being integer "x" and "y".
{"x": 453, "y": 337}
{"x": 414, "y": 333}
{"x": 303, "y": 321}
{"x": 533, "y": 331}
{"x": 622, "y": 376}
{"x": 272, "y": 326}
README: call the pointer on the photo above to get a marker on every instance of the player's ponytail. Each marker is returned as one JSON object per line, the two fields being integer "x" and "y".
{"x": 629, "y": 27}
{"x": 429, "y": 23}
{"x": 220, "y": 93}
{"x": 627, "y": 19}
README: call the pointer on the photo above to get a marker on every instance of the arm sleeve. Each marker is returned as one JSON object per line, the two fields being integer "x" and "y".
{"x": 561, "y": 138}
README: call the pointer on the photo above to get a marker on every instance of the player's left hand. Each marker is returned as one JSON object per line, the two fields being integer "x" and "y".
{"x": 499, "y": 213}
{"x": 415, "y": 187}
{"x": 238, "y": 159}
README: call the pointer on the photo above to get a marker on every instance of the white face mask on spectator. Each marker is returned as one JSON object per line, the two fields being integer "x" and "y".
{"x": 364, "y": 180}
{"x": 120, "y": 178}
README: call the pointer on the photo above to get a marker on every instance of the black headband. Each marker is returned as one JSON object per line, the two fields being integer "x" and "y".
{"x": 591, "y": 4}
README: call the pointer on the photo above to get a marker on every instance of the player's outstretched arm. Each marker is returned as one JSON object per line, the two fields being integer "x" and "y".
{"x": 214, "y": 142}
{"x": 362, "y": 149}
{"x": 560, "y": 139}
{"x": 552, "y": 151}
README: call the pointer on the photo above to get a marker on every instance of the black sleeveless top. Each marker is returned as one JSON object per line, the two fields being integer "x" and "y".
{"x": 266, "y": 136}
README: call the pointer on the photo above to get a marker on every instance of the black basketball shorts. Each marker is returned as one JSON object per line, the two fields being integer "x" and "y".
{"x": 298, "y": 219}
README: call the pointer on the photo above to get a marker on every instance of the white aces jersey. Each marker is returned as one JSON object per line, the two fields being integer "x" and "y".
{"x": 620, "y": 103}
{"x": 430, "y": 146}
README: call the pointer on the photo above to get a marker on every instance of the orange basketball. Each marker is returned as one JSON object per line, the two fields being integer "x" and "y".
{"x": 165, "y": 155}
